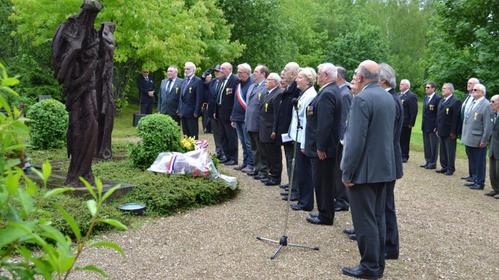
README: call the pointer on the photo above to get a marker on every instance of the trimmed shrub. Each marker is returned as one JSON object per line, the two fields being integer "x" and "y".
{"x": 49, "y": 122}
{"x": 159, "y": 133}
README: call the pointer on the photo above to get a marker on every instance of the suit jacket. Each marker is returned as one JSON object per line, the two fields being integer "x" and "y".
{"x": 477, "y": 125}
{"x": 410, "y": 104}
{"x": 430, "y": 111}
{"x": 144, "y": 87}
{"x": 368, "y": 154}
{"x": 268, "y": 111}
{"x": 226, "y": 94}
{"x": 211, "y": 96}
{"x": 399, "y": 115}
{"x": 448, "y": 116}
{"x": 283, "y": 119}
{"x": 346, "y": 101}
{"x": 191, "y": 98}
{"x": 324, "y": 122}
{"x": 253, "y": 98}
{"x": 494, "y": 140}
{"x": 168, "y": 101}
{"x": 303, "y": 102}
{"x": 238, "y": 111}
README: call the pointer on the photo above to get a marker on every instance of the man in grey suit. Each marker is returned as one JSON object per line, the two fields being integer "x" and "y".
{"x": 476, "y": 132}
{"x": 494, "y": 149}
{"x": 256, "y": 94}
{"x": 368, "y": 163}
{"x": 464, "y": 109}
{"x": 169, "y": 93}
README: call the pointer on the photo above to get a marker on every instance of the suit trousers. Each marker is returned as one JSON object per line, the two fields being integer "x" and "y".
{"x": 215, "y": 129}
{"x": 430, "y": 142}
{"x": 405, "y": 139}
{"x": 303, "y": 180}
{"x": 367, "y": 205}
{"x": 190, "y": 127}
{"x": 228, "y": 135}
{"x": 146, "y": 108}
{"x": 288, "y": 153}
{"x": 245, "y": 143}
{"x": 322, "y": 172}
{"x": 392, "y": 232}
{"x": 477, "y": 161}
{"x": 259, "y": 158}
{"x": 448, "y": 153}
{"x": 274, "y": 158}
{"x": 494, "y": 173}
{"x": 470, "y": 172}
{"x": 340, "y": 191}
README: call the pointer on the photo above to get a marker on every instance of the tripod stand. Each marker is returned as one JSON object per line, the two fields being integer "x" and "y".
{"x": 283, "y": 241}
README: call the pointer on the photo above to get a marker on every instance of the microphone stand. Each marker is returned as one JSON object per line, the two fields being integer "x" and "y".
{"x": 283, "y": 241}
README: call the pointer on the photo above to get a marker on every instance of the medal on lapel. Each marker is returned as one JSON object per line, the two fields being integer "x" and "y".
{"x": 266, "y": 107}
{"x": 190, "y": 89}
{"x": 259, "y": 96}
{"x": 447, "y": 111}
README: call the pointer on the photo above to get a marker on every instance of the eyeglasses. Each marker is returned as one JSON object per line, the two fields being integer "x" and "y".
{"x": 271, "y": 79}
{"x": 475, "y": 89}
{"x": 428, "y": 87}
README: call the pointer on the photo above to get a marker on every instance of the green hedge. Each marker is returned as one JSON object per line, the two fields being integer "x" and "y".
{"x": 49, "y": 122}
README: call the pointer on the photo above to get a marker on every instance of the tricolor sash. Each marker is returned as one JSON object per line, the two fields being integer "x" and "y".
{"x": 240, "y": 96}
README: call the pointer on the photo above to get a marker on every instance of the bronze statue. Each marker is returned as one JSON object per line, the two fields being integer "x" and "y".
{"x": 105, "y": 101}
{"x": 75, "y": 54}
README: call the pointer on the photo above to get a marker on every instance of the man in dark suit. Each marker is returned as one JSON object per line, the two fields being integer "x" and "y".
{"x": 476, "y": 133}
{"x": 191, "y": 100}
{"x": 494, "y": 149}
{"x": 256, "y": 95}
{"x": 322, "y": 134}
{"x": 169, "y": 94}
{"x": 369, "y": 135}
{"x": 211, "y": 85}
{"x": 410, "y": 104}
{"x": 283, "y": 120}
{"x": 449, "y": 112}
{"x": 429, "y": 124}
{"x": 267, "y": 129}
{"x": 225, "y": 103}
{"x": 146, "y": 90}
{"x": 464, "y": 110}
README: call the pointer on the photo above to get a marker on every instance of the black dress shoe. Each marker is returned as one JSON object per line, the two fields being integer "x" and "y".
{"x": 492, "y": 193}
{"x": 404, "y": 160}
{"x": 293, "y": 198}
{"x": 476, "y": 187}
{"x": 352, "y": 236}
{"x": 391, "y": 256}
{"x": 358, "y": 272}
{"x": 285, "y": 193}
{"x": 313, "y": 215}
{"x": 422, "y": 165}
{"x": 469, "y": 184}
{"x": 470, "y": 179}
{"x": 295, "y": 207}
{"x": 284, "y": 186}
{"x": 223, "y": 160}
{"x": 265, "y": 179}
{"x": 430, "y": 167}
{"x": 231, "y": 162}
{"x": 252, "y": 173}
{"x": 317, "y": 221}
{"x": 240, "y": 167}
{"x": 339, "y": 209}
{"x": 448, "y": 173}
{"x": 466, "y": 177}
{"x": 349, "y": 231}
{"x": 441, "y": 170}
{"x": 259, "y": 176}
{"x": 272, "y": 182}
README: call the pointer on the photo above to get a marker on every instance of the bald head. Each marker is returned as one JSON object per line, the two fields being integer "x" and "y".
{"x": 226, "y": 69}
{"x": 366, "y": 73}
{"x": 291, "y": 71}
{"x": 471, "y": 84}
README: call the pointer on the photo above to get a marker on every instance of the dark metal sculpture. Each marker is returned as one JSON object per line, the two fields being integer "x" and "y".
{"x": 75, "y": 53}
{"x": 105, "y": 101}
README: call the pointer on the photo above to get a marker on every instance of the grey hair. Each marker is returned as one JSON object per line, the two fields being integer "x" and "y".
{"x": 246, "y": 67}
{"x": 450, "y": 86}
{"x": 330, "y": 69}
{"x": 309, "y": 73}
{"x": 405, "y": 81}
{"x": 275, "y": 76}
{"x": 482, "y": 88}
{"x": 386, "y": 73}
{"x": 342, "y": 72}
{"x": 174, "y": 68}
{"x": 191, "y": 65}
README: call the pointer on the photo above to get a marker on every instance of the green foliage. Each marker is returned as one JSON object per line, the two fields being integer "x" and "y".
{"x": 158, "y": 133}
{"x": 23, "y": 220}
{"x": 49, "y": 122}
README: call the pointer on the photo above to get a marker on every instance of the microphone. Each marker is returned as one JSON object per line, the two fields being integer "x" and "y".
{"x": 294, "y": 101}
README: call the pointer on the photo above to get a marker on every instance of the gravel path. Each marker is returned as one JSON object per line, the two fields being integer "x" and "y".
{"x": 446, "y": 232}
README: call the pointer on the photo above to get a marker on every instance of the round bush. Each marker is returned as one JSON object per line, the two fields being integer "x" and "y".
{"x": 159, "y": 133}
{"x": 49, "y": 122}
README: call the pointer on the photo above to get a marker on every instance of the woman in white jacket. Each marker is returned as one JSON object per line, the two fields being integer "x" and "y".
{"x": 302, "y": 180}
